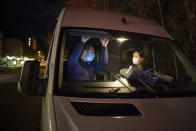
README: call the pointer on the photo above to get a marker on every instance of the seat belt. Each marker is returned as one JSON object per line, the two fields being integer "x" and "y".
{"x": 87, "y": 73}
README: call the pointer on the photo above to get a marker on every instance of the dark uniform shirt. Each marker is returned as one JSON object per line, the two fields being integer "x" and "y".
{"x": 81, "y": 70}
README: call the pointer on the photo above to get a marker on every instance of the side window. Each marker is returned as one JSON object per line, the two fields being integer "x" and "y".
{"x": 164, "y": 60}
{"x": 182, "y": 79}
{"x": 180, "y": 72}
{"x": 167, "y": 63}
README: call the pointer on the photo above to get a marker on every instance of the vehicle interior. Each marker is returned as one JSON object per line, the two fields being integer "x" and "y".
{"x": 159, "y": 55}
{"x": 120, "y": 54}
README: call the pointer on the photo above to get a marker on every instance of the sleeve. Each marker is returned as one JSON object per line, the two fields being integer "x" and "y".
{"x": 74, "y": 58}
{"x": 103, "y": 59}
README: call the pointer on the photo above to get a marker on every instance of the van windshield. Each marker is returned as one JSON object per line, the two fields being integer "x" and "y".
{"x": 108, "y": 63}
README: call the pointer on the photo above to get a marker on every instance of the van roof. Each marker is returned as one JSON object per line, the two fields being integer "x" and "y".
{"x": 93, "y": 18}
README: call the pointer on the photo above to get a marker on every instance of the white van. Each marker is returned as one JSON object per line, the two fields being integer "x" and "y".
{"x": 163, "y": 98}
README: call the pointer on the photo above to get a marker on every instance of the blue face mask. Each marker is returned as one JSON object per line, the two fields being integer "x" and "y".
{"x": 90, "y": 57}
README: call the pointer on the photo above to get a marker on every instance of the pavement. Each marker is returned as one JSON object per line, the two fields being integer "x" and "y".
{"x": 18, "y": 112}
{"x": 11, "y": 75}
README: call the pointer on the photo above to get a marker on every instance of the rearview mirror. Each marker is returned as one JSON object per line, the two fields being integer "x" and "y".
{"x": 29, "y": 81}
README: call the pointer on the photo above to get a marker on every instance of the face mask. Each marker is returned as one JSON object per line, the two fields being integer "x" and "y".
{"x": 90, "y": 57}
{"x": 135, "y": 61}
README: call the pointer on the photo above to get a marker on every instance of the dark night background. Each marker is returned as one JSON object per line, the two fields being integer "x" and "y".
{"x": 20, "y": 18}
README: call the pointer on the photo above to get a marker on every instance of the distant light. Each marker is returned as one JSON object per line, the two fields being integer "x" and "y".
{"x": 9, "y": 57}
{"x": 122, "y": 39}
{"x": 22, "y": 62}
{"x": 31, "y": 59}
{"x": 25, "y": 58}
{"x": 39, "y": 52}
{"x": 14, "y": 62}
{"x": 29, "y": 41}
{"x": 17, "y": 58}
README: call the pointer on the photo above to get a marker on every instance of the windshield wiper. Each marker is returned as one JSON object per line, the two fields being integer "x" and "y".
{"x": 113, "y": 91}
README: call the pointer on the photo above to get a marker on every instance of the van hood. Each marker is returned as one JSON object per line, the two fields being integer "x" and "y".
{"x": 157, "y": 114}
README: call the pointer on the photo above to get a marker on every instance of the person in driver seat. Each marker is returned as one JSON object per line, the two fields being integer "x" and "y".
{"x": 134, "y": 71}
{"x": 81, "y": 64}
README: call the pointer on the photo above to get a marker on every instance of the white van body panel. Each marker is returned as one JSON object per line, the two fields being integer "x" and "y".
{"x": 158, "y": 114}
{"x": 93, "y": 18}
{"x": 48, "y": 112}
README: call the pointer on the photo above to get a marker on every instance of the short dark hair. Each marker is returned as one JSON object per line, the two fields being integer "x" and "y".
{"x": 87, "y": 47}
{"x": 141, "y": 53}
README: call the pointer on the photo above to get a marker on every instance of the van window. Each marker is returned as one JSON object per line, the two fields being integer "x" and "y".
{"x": 183, "y": 80}
{"x": 157, "y": 71}
{"x": 164, "y": 59}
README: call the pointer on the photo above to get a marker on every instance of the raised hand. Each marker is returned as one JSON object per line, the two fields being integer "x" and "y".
{"x": 84, "y": 39}
{"x": 104, "y": 42}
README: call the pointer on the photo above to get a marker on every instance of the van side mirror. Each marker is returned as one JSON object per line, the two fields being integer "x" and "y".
{"x": 29, "y": 82}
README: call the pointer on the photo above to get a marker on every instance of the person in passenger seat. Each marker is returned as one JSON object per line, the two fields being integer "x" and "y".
{"x": 135, "y": 70}
{"x": 138, "y": 59}
{"x": 81, "y": 64}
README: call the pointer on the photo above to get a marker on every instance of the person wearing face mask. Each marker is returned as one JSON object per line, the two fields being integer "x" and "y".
{"x": 134, "y": 71}
{"x": 137, "y": 64}
{"x": 81, "y": 64}
{"x": 137, "y": 59}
